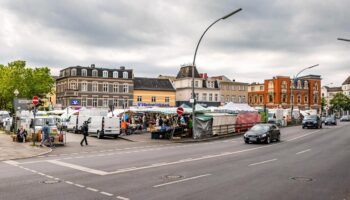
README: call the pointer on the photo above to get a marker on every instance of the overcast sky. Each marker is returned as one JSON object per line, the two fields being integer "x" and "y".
{"x": 266, "y": 39}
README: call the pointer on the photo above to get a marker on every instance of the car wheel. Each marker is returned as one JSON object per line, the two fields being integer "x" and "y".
{"x": 99, "y": 135}
{"x": 246, "y": 141}
{"x": 268, "y": 140}
{"x": 303, "y": 127}
{"x": 115, "y": 137}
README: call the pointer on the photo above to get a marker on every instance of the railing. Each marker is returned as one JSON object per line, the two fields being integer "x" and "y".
{"x": 231, "y": 128}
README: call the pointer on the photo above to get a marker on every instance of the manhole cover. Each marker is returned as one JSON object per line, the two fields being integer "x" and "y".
{"x": 173, "y": 176}
{"x": 302, "y": 179}
{"x": 50, "y": 181}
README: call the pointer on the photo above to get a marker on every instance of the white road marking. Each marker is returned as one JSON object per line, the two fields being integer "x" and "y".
{"x": 122, "y": 198}
{"x": 186, "y": 160}
{"x": 106, "y": 193}
{"x": 78, "y": 185}
{"x": 182, "y": 180}
{"x": 48, "y": 176}
{"x": 78, "y": 167}
{"x": 92, "y": 189}
{"x": 301, "y": 136}
{"x": 70, "y": 183}
{"x": 266, "y": 161}
{"x": 42, "y": 174}
{"x": 11, "y": 162}
{"x": 303, "y": 151}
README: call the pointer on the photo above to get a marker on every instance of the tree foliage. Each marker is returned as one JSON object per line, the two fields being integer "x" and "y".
{"x": 28, "y": 81}
{"x": 340, "y": 102}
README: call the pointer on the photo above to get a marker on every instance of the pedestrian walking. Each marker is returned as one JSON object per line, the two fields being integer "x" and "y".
{"x": 85, "y": 130}
{"x": 46, "y": 134}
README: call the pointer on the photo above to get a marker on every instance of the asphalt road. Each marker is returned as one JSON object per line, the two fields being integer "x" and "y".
{"x": 306, "y": 164}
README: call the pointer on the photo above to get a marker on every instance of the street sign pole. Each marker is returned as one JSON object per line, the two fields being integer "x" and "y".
{"x": 34, "y": 113}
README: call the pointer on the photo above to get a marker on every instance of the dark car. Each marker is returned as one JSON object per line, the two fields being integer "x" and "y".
{"x": 345, "y": 118}
{"x": 312, "y": 121}
{"x": 262, "y": 133}
{"x": 330, "y": 120}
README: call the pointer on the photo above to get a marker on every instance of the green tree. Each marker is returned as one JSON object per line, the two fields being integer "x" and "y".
{"x": 340, "y": 102}
{"x": 28, "y": 81}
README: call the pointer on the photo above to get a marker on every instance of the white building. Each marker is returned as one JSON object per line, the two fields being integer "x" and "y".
{"x": 346, "y": 87}
{"x": 206, "y": 89}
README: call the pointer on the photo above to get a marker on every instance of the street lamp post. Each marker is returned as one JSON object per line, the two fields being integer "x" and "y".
{"x": 193, "y": 100}
{"x": 14, "y": 121}
{"x": 291, "y": 88}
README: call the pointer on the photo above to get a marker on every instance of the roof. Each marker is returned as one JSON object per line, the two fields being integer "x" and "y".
{"x": 186, "y": 72}
{"x": 310, "y": 76}
{"x": 347, "y": 81}
{"x": 334, "y": 89}
{"x": 141, "y": 83}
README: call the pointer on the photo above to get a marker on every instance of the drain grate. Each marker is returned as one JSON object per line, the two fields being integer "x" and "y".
{"x": 50, "y": 181}
{"x": 302, "y": 179}
{"x": 172, "y": 177}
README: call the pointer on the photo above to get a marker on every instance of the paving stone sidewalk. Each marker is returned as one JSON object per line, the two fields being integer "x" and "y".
{"x": 10, "y": 150}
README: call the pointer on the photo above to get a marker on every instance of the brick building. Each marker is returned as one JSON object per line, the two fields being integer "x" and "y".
{"x": 281, "y": 91}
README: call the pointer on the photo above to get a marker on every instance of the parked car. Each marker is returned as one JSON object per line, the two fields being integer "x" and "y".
{"x": 323, "y": 118}
{"x": 330, "y": 120}
{"x": 262, "y": 133}
{"x": 312, "y": 121}
{"x": 5, "y": 118}
{"x": 345, "y": 118}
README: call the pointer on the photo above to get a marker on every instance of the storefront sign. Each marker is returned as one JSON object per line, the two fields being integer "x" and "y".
{"x": 153, "y": 104}
{"x": 74, "y": 102}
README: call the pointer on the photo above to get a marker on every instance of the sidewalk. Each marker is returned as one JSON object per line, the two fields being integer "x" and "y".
{"x": 10, "y": 150}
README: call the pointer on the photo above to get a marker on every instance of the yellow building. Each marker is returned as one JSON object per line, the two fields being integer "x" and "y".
{"x": 153, "y": 92}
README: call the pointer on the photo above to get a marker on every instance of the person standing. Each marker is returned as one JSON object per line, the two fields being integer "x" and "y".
{"x": 85, "y": 130}
{"x": 46, "y": 134}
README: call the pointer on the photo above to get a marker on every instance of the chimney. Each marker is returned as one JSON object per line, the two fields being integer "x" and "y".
{"x": 92, "y": 65}
{"x": 233, "y": 80}
{"x": 122, "y": 68}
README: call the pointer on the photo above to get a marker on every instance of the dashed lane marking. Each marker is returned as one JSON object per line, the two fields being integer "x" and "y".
{"x": 263, "y": 162}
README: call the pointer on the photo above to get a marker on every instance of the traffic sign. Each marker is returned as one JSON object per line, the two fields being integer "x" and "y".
{"x": 35, "y": 100}
{"x": 179, "y": 110}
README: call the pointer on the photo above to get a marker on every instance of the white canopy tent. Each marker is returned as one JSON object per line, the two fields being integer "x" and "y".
{"x": 236, "y": 107}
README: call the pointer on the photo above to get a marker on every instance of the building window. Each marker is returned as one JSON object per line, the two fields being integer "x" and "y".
{"x": 243, "y": 99}
{"x": 105, "y": 87}
{"x": 105, "y": 102}
{"x": 284, "y": 98}
{"x": 115, "y": 87}
{"x": 227, "y": 98}
{"x": 284, "y": 85}
{"x": 105, "y": 74}
{"x": 125, "y": 88}
{"x": 94, "y": 102}
{"x": 292, "y": 84}
{"x": 139, "y": 98}
{"x": 233, "y": 99}
{"x": 73, "y": 85}
{"x": 153, "y": 99}
{"x": 316, "y": 87}
{"x": 270, "y": 98}
{"x": 196, "y": 84}
{"x": 167, "y": 99}
{"x": 94, "y": 73}
{"x": 84, "y": 86}
{"x": 299, "y": 84}
{"x": 261, "y": 88}
{"x": 306, "y": 84}
{"x": 125, "y": 75}
{"x": 83, "y": 72}
{"x": 73, "y": 72}
{"x": 261, "y": 99}
{"x": 115, "y": 74}
{"x": 94, "y": 87}
{"x": 115, "y": 102}
{"x": 299, "y": 99}
{"x": 210, "y": 97}
{"x": 250, "y": 99}
{"x": 125, "y": 103}
{"x": 216, "y": 97}
{"x": 83, "y": 102}
{"x": 239, "y": 99}
{"x": 222, "y": 98}
{"x": 270, "y": 85}
{"x": 252, "y": 89}
{"x": 204, "y": 97}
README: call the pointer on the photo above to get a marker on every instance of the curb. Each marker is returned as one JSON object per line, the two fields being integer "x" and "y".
{"x": 208, "y": 139}
{"x": 31, "y": 156}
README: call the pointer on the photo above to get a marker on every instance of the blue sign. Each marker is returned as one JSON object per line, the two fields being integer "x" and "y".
{"x": 153, "y": 104}
{"x": 74, "y": 102}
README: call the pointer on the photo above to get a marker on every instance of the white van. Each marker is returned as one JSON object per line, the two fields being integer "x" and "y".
{"x": 5, "y": 118}
{"x": 72, "y": 123}
{"x": 104, "y": 126}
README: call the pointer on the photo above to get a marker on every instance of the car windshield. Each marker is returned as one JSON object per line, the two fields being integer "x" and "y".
{"x": 4, "y": 115}
{"x": 310, "y": 117}
{"x": 42, "y": 121}
{"x": 260, "y": 128}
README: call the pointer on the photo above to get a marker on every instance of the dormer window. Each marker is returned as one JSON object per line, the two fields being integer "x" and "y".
{"x": 73, "y": 72}
{"x": 83, "y": 72}
{"x": 105, "y": 74}
{"x": 94, "y": 73}
{"x": 125, "y": 75}
{"x": 115, "y": 74}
